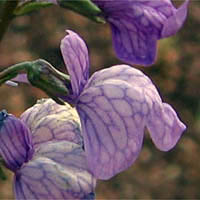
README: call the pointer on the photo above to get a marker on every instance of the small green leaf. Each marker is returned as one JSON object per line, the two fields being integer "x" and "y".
{"x": 28, "y": 7}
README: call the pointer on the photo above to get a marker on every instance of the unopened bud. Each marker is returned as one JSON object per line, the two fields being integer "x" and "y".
{"x": 43, "y": 75}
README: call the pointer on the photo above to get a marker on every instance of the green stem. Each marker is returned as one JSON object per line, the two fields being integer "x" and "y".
{"x": 6, "y": 15}
{"x": 13, "y": 71}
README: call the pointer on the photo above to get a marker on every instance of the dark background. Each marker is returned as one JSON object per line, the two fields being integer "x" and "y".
{"x": 155, "y": 174}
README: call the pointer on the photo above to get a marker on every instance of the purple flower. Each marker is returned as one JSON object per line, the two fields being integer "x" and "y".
{"x": 115, "y": 105}
{"x": 44, "y": 150}
{"x": 137, "y": 25}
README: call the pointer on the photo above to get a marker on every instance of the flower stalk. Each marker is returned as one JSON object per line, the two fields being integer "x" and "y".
{"x": 12, "y": 71}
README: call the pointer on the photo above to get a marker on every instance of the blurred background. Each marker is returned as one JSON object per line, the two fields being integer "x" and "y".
{"x": 155, "y": 174}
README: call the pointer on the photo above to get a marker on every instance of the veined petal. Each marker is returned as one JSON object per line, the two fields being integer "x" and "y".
{"x": 49, "y": 121}
{"x": 175, "y": 22}
{"x": 15, "y": 141}
{"x": 75, "y": 55}
{"x": 56, "y": 128}
{"x": 112, "y": 121}
{"x": 131, "y": 44}
{"x": 136, "y": 29}
{"x": 58, "y": 171}
{"x": 164, "y": 126}
{"x": 130, "y": 75}
{"x": 115, "y": 106}
{"x": 46, "y": 107}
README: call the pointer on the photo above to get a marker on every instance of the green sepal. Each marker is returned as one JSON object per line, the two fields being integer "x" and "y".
{"x": 28, "y": 7}
{"x": 44, "y": 76}
{"x": 83, "y": 7}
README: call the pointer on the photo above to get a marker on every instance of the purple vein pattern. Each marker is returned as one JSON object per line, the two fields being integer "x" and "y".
{"x": 136, "y": 26}
{"x": 44, "y": 149}
{"x": 115, "y": 105}
{"x": 79, "y": 72}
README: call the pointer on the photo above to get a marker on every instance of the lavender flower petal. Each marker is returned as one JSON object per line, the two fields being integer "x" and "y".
{"x": 112, "y": 124}
{"x": 58, "y": 171}
{"x": 164, "y": 126}
{"x": 175, "y": 22}
{"x": 43, "y": 108}
{"x": 56, "y": 127}
{"x": 131, "y": 44}
{"x": 15, "y": 141}
{"x": 137, "y": 25}
{"x": 75, "y": 55}
{"x": 115, "y": 106}
{"x": 49, "y": 121}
